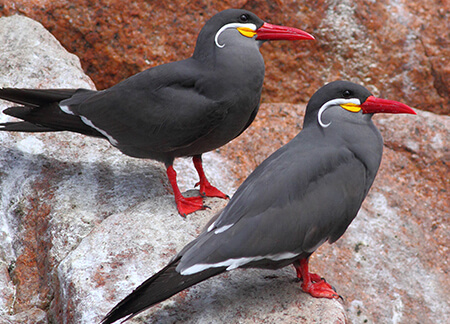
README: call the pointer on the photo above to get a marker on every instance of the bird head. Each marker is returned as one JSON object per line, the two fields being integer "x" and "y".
{"x": 248, "y": 26}
{"x": 350, "y": 98}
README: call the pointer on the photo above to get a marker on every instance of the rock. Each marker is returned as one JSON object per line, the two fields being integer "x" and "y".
{"x": 30, "y": 57}
{"x": 30, "y": 316}
{"x": 399, "y": 48}
{"x": 29, "y": 52}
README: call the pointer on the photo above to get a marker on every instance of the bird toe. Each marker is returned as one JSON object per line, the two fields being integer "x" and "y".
{"x": 211, "y": 191}
{"x": 188, "y": 205}
{"x": 321, "y": 289}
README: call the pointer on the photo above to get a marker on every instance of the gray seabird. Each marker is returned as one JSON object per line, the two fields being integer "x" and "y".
{"x": 184, "y": 108}
{"x": 304, "y": 194}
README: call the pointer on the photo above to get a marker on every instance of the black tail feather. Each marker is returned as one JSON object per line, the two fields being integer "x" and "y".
{"x": 159, "y": 287}
{"x": 42, "y": 112}
{"x": 35, "y": 97}
{"x": 46, "y": 118}
{"x": 24, "y": 127}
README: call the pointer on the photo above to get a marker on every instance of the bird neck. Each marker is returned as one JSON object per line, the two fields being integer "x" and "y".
{"x": 241, "y": 72}
{"x": 362, "y": 138}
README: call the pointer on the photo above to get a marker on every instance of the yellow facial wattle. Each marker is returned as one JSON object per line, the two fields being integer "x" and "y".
{"x": 351, "y": 107}
{"x": 247, "y": 32}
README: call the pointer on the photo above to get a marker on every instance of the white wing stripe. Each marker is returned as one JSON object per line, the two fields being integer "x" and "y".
{"x": 66, "y": 109}
{"x": 222, "y": 229}
{"x": 109, "y": 137}
{"x": 236, "y": 263}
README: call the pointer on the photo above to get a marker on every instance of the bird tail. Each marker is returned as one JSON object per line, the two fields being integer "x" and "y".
{"x": 41, "y": 111}
{"x": 159, "y": 287}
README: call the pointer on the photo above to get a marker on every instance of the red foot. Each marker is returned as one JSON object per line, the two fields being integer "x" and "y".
{"x": 187, "y": 205}
{"x": 312, "y": 283}
{"x": 314, "y": 277}
{"x": 320, "y": 289}
{"x": 206, "y": 189}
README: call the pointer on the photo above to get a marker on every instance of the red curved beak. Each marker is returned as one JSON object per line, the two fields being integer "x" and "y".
{"x": 274, "y": 32}
{"x": 374, "y": 105}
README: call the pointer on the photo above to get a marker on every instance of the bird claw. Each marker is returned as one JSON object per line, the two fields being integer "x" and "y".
{"x": 321, "y": 289}
{"x": 188, "y": 205}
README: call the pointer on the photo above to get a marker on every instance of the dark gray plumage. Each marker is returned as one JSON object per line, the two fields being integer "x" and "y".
{"x": 183, "y": 108}
{"x": 306, "y": 193}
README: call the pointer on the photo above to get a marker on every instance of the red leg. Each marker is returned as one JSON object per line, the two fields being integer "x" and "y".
{"x": 313, "y": 284}
{"x": 185, "y": 205}
{"x": 206, "y": 189}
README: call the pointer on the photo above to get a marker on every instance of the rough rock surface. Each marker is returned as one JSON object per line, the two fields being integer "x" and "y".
{"x": 81, "y": 224}
{"x": 401, "y": 48}
{"x": 24, "y": 42}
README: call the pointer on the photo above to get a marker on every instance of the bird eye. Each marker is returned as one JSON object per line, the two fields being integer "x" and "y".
{"x": 347, "y": 93}
{"x": 244, "y": 18}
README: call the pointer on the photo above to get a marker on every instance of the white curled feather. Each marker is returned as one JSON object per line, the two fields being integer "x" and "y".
{"x": 231, "y": 25}
{"x": 334, "y": 102}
